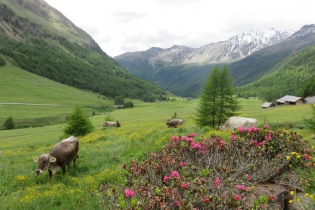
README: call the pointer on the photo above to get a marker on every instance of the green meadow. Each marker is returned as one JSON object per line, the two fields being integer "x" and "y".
{"x": 103, "y": 151}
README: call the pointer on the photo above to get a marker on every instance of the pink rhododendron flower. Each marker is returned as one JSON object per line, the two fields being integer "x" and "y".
{"x": 175, "y": 174}
{"x": 166, "y": 178}
{"x": 233, "y": 137}
{"x": 192, "y": 135}
{"x": 176, "y": 203}
{"x": 217, "y": 182}
{"x": 240, "y": 128}
{"x": 223, "y": 196}
{"x": 184, "y": 138}
{"x": 237, "y": 197}
{"x": 266, "y": 126}
{"x": 202, "y": 179}
{"x": 240, "y": 187}
{"x": 249, "y": 188}
{"x": 272, "y": 197}
{"x": 129, "y": 193}
{"x": 306, "y": 157}
{"x": 222, "y": 143}
{"x": 182, "y": 164}
{"x": 184, "y": 186}
{"x": 201, "y": 151}
{"x": 247, "y": 177}
{"x": 175, "y": 138}
{"x": 206, "y": 200}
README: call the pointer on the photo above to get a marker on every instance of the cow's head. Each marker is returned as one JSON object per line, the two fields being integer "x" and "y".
{"x": 43, "y": 163}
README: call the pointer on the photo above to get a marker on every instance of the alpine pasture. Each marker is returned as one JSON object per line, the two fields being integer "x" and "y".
{"x": 103, "y": 151}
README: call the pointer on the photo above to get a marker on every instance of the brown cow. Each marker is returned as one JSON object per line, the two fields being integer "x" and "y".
{"x": 60, "y": 156}
{"x": 110, "y": 124}
{"x": 174, "y": 123}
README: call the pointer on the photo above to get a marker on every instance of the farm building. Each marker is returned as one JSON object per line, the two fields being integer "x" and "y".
{"x": 292, "y": 100}
{"x": 267, "y": 105}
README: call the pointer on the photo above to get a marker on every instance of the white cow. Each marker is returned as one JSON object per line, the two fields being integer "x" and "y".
{"x": 234, "y": 122}
{"x": 110, "y": 124}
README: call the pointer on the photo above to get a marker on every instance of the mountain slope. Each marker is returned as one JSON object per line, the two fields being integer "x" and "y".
{"x": 41, "y": 40}
{"x": 244, "y": 71}
{"x": 233, "y": 49}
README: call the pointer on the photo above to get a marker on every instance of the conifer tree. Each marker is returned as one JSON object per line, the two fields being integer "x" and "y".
{"x": 78, "y": 123}
{"x": 217, "y": 101}
{"x": 9, "y": 123}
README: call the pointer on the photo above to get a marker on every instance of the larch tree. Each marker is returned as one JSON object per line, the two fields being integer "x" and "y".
{"x": 217, "y": 100}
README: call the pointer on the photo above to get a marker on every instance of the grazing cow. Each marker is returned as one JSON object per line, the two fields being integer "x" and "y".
{"x": 60, "y": 156}
{"x": 174, "y": 123}
{"x": 110, "y": 124}
{"x": 234, "y": 122}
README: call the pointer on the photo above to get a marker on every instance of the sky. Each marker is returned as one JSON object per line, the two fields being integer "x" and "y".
{"x": 120, "y": 26}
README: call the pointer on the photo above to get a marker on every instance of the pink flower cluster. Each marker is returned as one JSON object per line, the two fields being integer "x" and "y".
{"x": 242, "y": 187}
{"x": 247, "y": 177}
{"x": 217, "y": 182}
{"x": 174, "y": 174}
{"x": 175, "y": 138}
{"x": 184, "y": 185}
{"x": 249, "y": 130}
{"x": 129, "y": 193}
{"x": 266, "y": 127}
{"x": 237, "y": 197}
{"x": 257, "y": 144}
{"x": 176, "y": 203}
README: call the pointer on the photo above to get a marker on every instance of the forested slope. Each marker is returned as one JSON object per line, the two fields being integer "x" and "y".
{"x": 287, "y": 78}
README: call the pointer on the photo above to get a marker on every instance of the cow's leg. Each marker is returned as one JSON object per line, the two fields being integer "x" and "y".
{"x": 50, "y": 173}
{"x": 75, "y": 159}
{"x": 63, "y": 170}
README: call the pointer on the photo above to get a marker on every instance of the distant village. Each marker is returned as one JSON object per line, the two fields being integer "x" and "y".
{"x": 290, "y": 100}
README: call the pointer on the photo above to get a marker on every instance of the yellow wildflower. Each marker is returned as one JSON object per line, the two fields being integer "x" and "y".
{"x": 312, "y": 146}
{"x": 298, "y": 200}
{"x": 306, "y": 194}
{"x": 292, "y": 192}
{"x": 293, "y": 153}
{"x": 288, "y": 157}
{"x": 290, "y": 201}
{"x": 298, "y": 156}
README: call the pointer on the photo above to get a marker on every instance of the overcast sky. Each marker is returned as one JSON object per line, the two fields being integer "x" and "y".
{"x": 120, "y": 26}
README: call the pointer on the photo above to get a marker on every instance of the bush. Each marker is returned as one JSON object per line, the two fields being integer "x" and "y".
{"x": 9, "y": 124}
{"x": 193, "y": 172}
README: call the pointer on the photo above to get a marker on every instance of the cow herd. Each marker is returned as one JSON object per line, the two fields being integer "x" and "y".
{"x": 66, "y": 152}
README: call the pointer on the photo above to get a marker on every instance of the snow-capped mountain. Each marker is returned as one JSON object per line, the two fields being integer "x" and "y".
{"x": 233, "y": 49}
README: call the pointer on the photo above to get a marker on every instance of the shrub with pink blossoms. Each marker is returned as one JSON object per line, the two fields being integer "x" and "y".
{"x": 222, "y": 176}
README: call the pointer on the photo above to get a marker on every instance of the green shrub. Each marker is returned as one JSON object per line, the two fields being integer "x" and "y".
{"x": 9, "y": 124}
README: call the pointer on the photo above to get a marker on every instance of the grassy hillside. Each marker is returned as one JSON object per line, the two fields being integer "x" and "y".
{"x": 26, "y": 96}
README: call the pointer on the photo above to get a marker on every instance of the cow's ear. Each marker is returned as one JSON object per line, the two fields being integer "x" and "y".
{"x": 36, "y": 159}
{"x": 52, "y": 159}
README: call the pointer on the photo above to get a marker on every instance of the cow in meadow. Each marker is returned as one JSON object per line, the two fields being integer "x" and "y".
{"x": 234, "y": 122}
{"x": 110, "y": 124}
{"x": 60, "y": 156}
{"x": 174, "y": 123}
